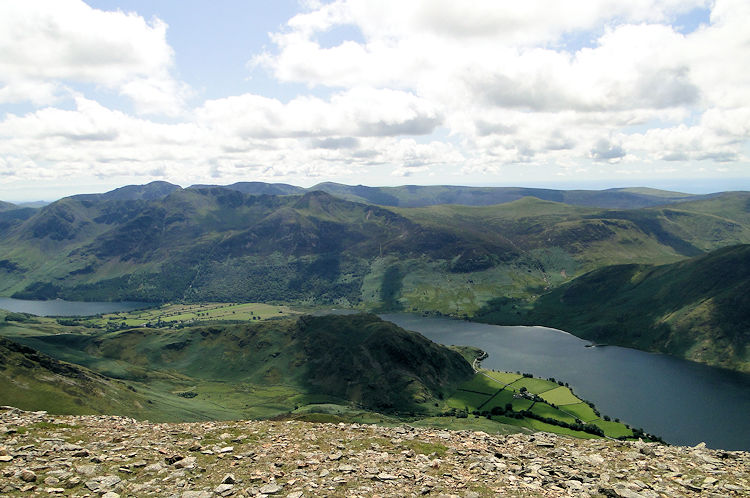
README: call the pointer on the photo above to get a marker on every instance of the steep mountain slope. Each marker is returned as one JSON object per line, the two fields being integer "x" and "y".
{"x": 220, "y": 244}
{"x": 357, "y": 359}
{"x": 4, "y": 206}
{"x": 35, "y": 381}
{"x": 698, "y": 309}
{"x": 596, "y": 237}
{"x": 14, "y": 216}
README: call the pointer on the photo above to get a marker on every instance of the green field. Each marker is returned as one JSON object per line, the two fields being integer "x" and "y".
{"x": 190, "y": 313}
{"x": 488, "y": 391}
{"x": 560, "y": 396}
{"x": 503, "y": 377}
{"x": 581, "y": 410}
{"x": 534, "y": 385}
{"x": 546, "y": 410}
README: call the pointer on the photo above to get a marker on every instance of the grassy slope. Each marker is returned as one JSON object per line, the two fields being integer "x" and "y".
{"x": 554, "y": 243}
{"x": 335, "y": 369}
{"x": 490, "y": 391}
{"x": 222, "y": 245}
{"x": 698, "y": 309}
{"x": 35, "y": 381}
{"x": 264, "y": 368}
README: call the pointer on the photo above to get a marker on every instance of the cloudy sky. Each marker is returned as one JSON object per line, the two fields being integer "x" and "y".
{"x": 581, "y": 93}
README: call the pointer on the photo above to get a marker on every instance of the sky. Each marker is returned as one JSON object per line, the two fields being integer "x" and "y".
{"x": 575, "y": 94}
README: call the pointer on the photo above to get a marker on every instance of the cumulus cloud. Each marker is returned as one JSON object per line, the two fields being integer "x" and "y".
{"x": 604, "y": 150}
{"x": 359, "y": 112}
{"x": 47, "y": 44}
{"x": 92, "y": 139}
{"x": 427, "y": 87}
{"x": 507, "y": 83}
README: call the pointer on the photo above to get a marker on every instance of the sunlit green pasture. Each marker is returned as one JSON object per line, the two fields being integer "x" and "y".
{"x": 489, "y": 390}
{"x": 187, "y": 313}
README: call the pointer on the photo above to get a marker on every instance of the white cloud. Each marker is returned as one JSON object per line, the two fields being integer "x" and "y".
{"x": 243, "y": 137}
{"x": 506, "y": 83}
{"x": 359, "y": 112}
{"x": 430, "y": 86}
{"x": 47, "y": 44}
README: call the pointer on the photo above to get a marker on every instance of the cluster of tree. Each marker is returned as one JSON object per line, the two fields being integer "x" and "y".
{"x": 19, "y": 317}
{"x": 455, "y": 412}
{"x": 508, "y": 411}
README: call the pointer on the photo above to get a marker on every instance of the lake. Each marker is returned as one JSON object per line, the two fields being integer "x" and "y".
{"x": 58, "y": 307}
{"x": 683, "y": 402}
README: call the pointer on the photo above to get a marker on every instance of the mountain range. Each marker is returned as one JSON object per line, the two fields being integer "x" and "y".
{"x": 367, "y": 248}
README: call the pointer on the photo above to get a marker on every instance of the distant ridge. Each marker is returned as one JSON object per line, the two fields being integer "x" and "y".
{"x": 415, "y": 195}
{"x": 423, "y": 196}
{"x": 149, "y": 192}
{"x": 258, "y": 188}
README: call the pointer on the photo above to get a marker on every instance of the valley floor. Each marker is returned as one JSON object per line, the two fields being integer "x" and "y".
{"x": 42, "y": 455}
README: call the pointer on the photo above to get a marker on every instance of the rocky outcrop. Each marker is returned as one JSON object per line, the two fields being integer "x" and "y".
{"x": 113, "y": 456}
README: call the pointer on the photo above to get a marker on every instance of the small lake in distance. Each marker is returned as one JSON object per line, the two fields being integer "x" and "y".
{"x": 683, "y": 402}
{"x": 58, "y": 307}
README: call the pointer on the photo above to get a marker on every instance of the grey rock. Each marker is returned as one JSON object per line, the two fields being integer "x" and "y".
{"x": 27, "y": 475}
{"x": 270, "y": 489}
{"x": 625, "y": 492}
{"x": 103, "y": 483}
{"x": 224, "y": 489}
{"x": 196, "y": 494}
{"x": 384, "y": 476}
{"x": 185, "y": 463}
{"x": 86, "y": 470}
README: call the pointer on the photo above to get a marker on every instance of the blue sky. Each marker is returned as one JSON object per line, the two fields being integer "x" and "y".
{"x": 579, "y": 94}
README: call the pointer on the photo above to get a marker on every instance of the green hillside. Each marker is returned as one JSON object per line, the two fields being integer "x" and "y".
{"x": 32, "y": 380}
{"x": 353, "y": 368}
{"x": 698, "y": 309}
{"x": 217, "y": 244}
{"x": 265, "y": 368}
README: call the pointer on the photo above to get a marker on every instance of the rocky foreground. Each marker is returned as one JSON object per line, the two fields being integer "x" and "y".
{"x": 42, "y": 455}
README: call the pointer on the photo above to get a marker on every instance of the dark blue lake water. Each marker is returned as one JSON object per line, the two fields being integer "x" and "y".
{"x": 58, "y": 307}
{"x": 683, "y": 402}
